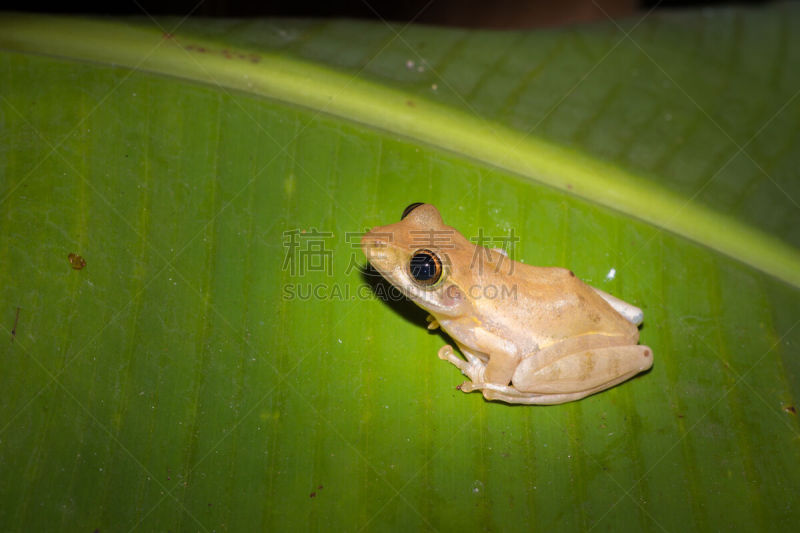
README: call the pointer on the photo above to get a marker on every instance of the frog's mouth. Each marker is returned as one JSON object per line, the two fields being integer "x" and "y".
{"x": 383, "y": 260}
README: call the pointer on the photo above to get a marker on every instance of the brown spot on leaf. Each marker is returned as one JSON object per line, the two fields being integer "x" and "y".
{"x": 312, "y": 495}
{"x": 410, "y": 103}
{"x": 14, "y": 329}
{"x": 77, "y": 262}
{"x": 790, "y": 409}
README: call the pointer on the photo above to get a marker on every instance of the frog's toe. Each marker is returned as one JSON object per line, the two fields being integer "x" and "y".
{"x": 446, "y": 352}
{"x": 467, "y": 386}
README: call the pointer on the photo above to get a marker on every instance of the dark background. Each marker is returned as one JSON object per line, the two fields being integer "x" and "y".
{"x": 463, "y": 13}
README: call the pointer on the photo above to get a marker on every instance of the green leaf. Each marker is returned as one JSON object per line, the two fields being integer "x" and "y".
{"x": 198, "y": 373}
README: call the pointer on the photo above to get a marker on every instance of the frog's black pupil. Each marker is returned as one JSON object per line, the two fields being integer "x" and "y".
{"x": 425, "y": 267}
{"x": 410, "y": 208}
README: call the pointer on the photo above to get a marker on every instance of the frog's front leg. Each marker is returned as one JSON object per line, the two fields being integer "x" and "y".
{"x": 473, "y": 367}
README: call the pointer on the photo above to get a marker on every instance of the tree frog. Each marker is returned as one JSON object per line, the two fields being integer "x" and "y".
{"x": 528, "y": 334}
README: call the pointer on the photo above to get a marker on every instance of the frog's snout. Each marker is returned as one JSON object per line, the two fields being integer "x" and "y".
{"x": 371, "y": 240}
{"x": 371, "y": 244}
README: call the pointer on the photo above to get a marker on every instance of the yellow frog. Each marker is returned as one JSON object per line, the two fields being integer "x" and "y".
{"x": 530, "y": 335}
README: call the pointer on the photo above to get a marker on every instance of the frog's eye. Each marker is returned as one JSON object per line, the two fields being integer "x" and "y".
{"x": 425, "y": 267}
{"x": 410, "y": 208}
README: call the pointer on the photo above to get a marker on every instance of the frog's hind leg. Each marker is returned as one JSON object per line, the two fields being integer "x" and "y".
{"x": 584, "y": 372}
{"x": 632, "y": 314}
{"x": 511, "y": 395}
{"x": 530, "y": 398}
{"x": 572, "y": 377}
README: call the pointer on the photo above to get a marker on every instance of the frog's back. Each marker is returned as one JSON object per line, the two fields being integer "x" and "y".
{"x": 552, "y": 304}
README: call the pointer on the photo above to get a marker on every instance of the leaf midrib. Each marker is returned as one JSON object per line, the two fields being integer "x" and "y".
{"x": 325, "y": 90}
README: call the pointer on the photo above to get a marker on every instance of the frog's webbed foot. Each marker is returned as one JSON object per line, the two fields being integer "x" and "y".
{"x": 472, "y": 368}
{"x": 432, "y": 322}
